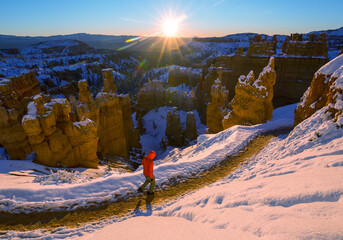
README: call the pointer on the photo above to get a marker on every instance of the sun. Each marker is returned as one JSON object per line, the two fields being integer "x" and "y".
{"x": 170, "y": 27}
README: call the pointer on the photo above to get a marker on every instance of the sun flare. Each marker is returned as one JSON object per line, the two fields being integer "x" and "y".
{"x": 170, "y": 27}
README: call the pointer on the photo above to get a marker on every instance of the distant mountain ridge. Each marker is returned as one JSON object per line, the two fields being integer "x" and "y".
{"x": 93, "y": 40}
{"x": 100, "y": 41}
{"x": 331, "y": 32}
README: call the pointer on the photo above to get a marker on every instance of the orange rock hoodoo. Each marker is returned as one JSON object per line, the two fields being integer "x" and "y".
{"x": 252, "y": 103}
{"x": 218, "y": 107}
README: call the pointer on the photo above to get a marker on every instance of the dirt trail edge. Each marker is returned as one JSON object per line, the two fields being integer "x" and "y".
{"x": 120, "y": 208}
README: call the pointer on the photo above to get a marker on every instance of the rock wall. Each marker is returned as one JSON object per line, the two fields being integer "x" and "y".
{"x": 252, "y": 103}
{"x": 218, "y": 107}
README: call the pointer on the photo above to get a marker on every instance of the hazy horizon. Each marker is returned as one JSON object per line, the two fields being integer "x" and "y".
{"x": 202, "y": 18}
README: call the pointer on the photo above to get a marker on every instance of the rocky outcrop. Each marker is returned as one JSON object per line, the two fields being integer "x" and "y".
{"x": 174, "y": 129}
{"x": 218, "y": 107}
{"x": 108, "y": 81}
{"x": 133, "y": 136}
{"x": 15, "y": 93}
{"x": 260, "y": 46}
{"x": 313, "y": 47}
{"x": 86, "y": 106}
{"x": 113, "y": 132}
{"x": 56, "y": 140}
{"x": 178, "y": 75}
{"x": 252, "y": 103}
{"x": 190, "y": 132}
{"x": 325, "y": 90}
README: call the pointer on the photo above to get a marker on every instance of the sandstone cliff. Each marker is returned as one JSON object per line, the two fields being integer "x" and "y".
{"x": 325, "y": 90}
{"x": 252, "y": 103}
{"x": 218, "y": 107}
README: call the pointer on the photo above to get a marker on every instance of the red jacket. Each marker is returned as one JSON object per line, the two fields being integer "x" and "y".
{"x": 148, "y": 167}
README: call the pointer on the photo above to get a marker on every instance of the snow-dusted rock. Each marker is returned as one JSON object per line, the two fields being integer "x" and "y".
{"x": 252, "y": 103}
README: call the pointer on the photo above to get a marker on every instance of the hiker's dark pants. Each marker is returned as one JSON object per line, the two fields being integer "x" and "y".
{"x": 147, "y": 181}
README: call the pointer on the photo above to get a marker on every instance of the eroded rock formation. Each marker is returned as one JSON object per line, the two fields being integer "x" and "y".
{"x": 325, "y": 90}
{"x": 190, "y": 132}
{"x": 262, "y": 47}
{"x": 294, "y": 69}
{"x": 56, "y": 140}
{"x": 111, "y": 129}
{"x": 252, "y": 103}
{"x": 314, "y": 47}
{"x": 174, "y": 129}
{"x": 218, "y": 107}
{"x": 64, "y": 133}
{"x": 15, "y": 94}
{"x": 86, "y": 106}
{"x": 154, "y": 95}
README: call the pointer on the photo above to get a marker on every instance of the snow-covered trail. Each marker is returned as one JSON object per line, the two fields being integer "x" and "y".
{"x": 297, "y": 197}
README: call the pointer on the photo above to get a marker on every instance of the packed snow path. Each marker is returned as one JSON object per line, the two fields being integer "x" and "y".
{"x": 177, "y": 187}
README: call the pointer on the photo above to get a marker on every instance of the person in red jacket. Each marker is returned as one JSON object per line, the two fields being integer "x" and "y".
{"x": 148, "y": 171}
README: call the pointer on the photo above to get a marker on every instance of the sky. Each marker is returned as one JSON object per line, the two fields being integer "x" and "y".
{"x": 145, "y": 17}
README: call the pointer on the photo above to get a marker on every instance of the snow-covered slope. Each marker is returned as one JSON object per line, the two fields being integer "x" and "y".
{"x": 210, "y": 149}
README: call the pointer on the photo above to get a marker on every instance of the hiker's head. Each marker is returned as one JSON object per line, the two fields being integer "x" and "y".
{"x": 152, "y": 154}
